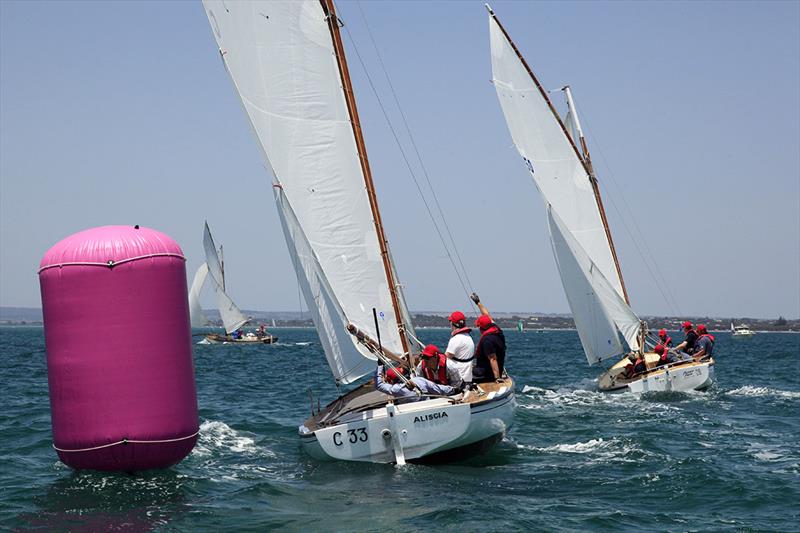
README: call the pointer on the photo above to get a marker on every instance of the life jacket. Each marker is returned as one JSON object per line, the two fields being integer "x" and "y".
{"x": 460, "y": 330}
{"x": 489, "y": 331}
{"x": 666, "y": 341}
{"x": 711, "y": 338}
{"x": 441, "y": 377}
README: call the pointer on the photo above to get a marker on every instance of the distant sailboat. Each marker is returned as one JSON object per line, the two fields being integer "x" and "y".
{"x": 556, "y": 155}
{"x": 288, "y": 64}
{"x": 742, "y": 331}
{"x": 232, "y": 318}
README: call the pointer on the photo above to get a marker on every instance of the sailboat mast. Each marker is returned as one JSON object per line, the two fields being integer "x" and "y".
{"x": 338, "y": 45}
{"x": 586, "y": 162}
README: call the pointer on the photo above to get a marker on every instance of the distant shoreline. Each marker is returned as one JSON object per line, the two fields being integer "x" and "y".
{"x": 22, "y": 316}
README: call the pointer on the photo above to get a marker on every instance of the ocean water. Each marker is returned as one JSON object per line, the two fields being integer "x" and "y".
{"x": 724, "y": 459}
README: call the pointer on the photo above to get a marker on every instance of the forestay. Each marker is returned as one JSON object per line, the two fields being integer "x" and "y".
{"x": 598, "y": 310}
{"x": 281, "y": 58}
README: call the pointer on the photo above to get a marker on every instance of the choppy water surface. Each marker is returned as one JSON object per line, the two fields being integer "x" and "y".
{"x": 576, "y": 459}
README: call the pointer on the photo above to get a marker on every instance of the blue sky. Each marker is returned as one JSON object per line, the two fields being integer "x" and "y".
{"x": 121, "y": 113}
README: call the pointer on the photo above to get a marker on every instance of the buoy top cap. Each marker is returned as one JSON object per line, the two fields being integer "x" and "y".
{"x": 110, "y": 243}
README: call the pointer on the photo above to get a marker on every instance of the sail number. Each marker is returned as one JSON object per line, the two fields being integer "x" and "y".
{"x": 353, "y": 436}
{"x": 528, "y": 164}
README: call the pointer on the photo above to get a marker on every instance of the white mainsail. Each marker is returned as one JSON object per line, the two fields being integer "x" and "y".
{"x": 232, "y": 317}
{"x": 581, "y": 245}
{"x": 198, "y": 319}
{"x": 281, "y": 58}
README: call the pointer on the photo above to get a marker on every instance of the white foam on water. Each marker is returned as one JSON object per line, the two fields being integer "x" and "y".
{"x": 303, "y": 343}
{"x": 595, "y": 450}
{"x": 219, "y": 435}
{"x": 749, "y": 390}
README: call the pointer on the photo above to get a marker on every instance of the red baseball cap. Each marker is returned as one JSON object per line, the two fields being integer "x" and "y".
{"x": 456, "y": 316}
{"x": 701, "y": 328}
{"x": 662, "y": 332}
{"x": 687, "y": 324}
{"x": 659, "y": 349}
{"x": 430, "y": 350}
{"x": 393, "y": 374}
{"x": 483, "y": 322}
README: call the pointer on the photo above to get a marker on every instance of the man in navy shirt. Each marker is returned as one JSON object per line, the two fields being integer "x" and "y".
{"x": 490, "y": 353}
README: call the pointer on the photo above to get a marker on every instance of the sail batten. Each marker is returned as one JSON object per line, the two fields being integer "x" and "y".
{"x": 285, "y": 67}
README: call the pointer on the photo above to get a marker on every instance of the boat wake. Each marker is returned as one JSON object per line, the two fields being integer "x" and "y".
{"x": 598, "y": 450}
{"x": 749, "y": 390}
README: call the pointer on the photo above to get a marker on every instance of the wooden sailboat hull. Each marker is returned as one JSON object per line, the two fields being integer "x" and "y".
{"x": 677, "y": 377}
{"x": 431, "y": 431}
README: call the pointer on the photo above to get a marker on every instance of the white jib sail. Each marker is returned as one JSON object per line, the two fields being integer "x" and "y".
{"x": 232, "y": 317}
{"x": 548, "y": 154}
{"x": 198, "y": 319}
{"x": 599, "y": 311}
{"x": 281, "y": 58}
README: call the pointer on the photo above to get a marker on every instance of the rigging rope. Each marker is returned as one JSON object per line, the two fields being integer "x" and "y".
{"x": 661, "y": 284}
{"x": 461, "y": 278}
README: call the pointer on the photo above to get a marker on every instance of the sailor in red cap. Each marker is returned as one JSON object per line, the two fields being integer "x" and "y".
{"x": 691, "y": 338}
{"x": 705, "y": 343}
{"x": 436, "y": 367}
{"x": 414, "y": 389}
{"x": 460, "y": 348}
{"x": 664, "y": 339}
{"x": 490, "y": 354}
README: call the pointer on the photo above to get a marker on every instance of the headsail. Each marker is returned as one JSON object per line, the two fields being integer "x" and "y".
{"x": 598, "y": 310}
{"x": 232, "y": 317}
{"x": 283, "y": 62}
{"x": 195, "y": 311}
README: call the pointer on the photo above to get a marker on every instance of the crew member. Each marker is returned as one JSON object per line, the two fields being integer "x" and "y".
{"x": 460, "y": 348}
{"x": 663, "y": 354}
{"x": 664, "y": 339}
{"x": 436, "y": 367}
{"x": 691, "y": 338}
{"x": 490, "y": 353}
{"x": 704, "y": 346}
{"x": 417, "y": 388}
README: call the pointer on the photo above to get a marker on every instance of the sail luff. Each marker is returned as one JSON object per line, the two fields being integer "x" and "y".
{"x": 585, "y": 162}
{"x": 333, "y": 24}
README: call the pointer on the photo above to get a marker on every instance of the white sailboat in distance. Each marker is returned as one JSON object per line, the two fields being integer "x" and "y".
{"x": 233, "y": 319}
{"x": 287, "y": 61}
{"x": 556, "y": 155}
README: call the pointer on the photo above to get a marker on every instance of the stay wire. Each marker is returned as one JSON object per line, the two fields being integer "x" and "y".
{"x": 413, "y": 143}
{"x": 408, "y": 164}
{"x": 661, "y": 284}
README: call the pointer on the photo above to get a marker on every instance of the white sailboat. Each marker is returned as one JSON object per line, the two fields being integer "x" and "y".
{"x": 213, "y": 270}
{"x": 287, "y": 61}
{"x": 742, "y": 331}
{"x": 556, "y": 155}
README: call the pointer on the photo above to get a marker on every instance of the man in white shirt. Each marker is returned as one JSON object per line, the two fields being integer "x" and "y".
{"x": 461, "y": 348}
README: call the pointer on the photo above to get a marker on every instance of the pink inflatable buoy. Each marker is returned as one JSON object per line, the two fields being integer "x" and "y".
{"x": 119, "y": 349}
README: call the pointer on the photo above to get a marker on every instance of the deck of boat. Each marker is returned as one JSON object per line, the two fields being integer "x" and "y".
{"x": 365, "y": 397}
